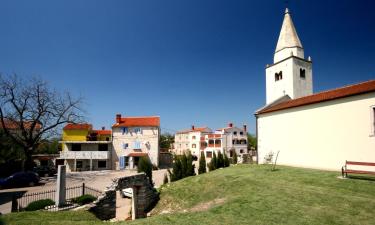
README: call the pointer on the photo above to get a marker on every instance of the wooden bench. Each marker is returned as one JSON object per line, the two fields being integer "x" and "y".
{"x": 345, "y": 170}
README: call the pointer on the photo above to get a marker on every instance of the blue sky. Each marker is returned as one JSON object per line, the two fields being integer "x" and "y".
{"x": 189, "y": 61}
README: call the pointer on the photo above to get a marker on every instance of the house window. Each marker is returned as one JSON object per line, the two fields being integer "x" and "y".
{"x": 217, "y": 142}
{"x": 193, "y": 145}
{"x": 193, "y": 137}
{"x": 211, "y": 142}
{"x": 125, "y": 145}
{"x": 241, "y": 151}
{"x": 373, "y": 120}
{"x": 137, "y": 145}
{"x": 241, "y": 133}
{"x": 125, "y": 130}
{"x": 302, "y": 73}
{"x": 103, "y": 147}
{"x": 137, "y": 130}
{"x": 79, "y": 164}
{"x": 208, "y": 154}
{"x": 235, "y": 133}
{"x": 76, "y": 147}
{"x": 102, "y": 164}
{"x": 279, "y": 76}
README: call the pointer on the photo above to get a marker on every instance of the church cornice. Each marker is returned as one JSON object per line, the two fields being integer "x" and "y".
{"x": 292, "y": 56}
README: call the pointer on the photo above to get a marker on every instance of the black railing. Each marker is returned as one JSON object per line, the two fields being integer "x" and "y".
{"x": 20, "y": 202}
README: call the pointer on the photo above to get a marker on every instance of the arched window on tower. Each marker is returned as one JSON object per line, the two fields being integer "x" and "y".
{"x": 302, "y": 73}
{"x": 279, "y": 76}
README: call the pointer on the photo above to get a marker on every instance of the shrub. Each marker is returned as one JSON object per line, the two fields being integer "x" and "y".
{"x": 182, "y": 167}
{"x": 39, "y": 204}
{"x": 177, "y": 170}
{"x": 235, "y": 157}
{"x": 214, "y": 161}
{"x": 190, "y": 167}
{"x": 183, "y": 159}
{"x": 210, "y": 166}
{"x": 84, "y": 199}
{"x": 226, "y": 160}
{"x": 220, "y": 160}
{"x": 145, "y": 165}
{"x": 202, "y": 164}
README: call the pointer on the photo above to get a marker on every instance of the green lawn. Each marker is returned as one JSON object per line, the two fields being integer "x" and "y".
{"x": 248, "y": 194}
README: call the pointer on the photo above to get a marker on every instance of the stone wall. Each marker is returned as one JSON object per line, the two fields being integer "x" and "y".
{"x": 145, "y": 194}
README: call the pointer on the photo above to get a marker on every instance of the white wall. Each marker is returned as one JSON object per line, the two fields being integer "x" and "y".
{"x": 149, "y": 134}
{"x": 321, "y": 135}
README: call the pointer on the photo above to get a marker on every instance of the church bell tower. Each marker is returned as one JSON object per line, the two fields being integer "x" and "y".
{"x": 290, "y": 74}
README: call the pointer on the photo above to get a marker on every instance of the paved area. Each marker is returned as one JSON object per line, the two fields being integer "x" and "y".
{"x": 95, "y": 179}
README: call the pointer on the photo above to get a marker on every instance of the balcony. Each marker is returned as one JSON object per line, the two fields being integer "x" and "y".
{"x": 85, "y": 154}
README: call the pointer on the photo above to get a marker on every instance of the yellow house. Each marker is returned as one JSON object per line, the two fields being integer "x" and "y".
{"x": 86, "y": 149}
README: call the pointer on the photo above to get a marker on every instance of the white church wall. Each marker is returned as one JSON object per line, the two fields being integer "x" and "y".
{"x": 321, "y": 135}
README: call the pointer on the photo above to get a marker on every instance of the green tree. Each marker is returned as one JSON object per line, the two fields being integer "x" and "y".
{"x": 184, "y": 166}
{"x": 235, "y": 160}
{"x": 176, "y": 169}
{"x": 202, "y": 163}
{"x": 190, "y": 167}
{"x": 145, "y": 165}
{"x": 214, "y": 161}
{"x": 166, "y": 140}
{"x": 226, "y": 160}
{"x": 220, "y": 160}
{"x": 251, "y": 141}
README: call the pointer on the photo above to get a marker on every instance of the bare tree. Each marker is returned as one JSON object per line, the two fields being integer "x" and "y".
{"x": 30, "y": 111}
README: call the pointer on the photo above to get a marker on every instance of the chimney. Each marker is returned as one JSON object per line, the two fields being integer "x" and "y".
{"x": 103, "y": 128}
{"x": 118, "y": 118}
{"x": 245, "y": 127}
{"x": 230, "y": 124}
{"x": 192, "y": 127}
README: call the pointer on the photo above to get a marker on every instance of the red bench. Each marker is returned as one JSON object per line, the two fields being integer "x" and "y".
{"x": 345, "y": 170}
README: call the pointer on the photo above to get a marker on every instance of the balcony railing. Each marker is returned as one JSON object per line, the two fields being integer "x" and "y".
{"x": 85, "y": 154}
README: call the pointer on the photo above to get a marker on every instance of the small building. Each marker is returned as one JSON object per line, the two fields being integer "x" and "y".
{"x": 226, "y": 140}
{"x": 134, "y": 137}
{"x": 189, "y": 140}
{"x": 85, "y": 149}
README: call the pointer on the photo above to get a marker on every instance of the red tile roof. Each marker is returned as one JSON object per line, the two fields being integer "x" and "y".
{"x": 103, "y": 132}
{"x": 145, "y": 121}
{"x": 196, "y": 129}
{"x": 78, "y": 126}
{"x": 356, "y": 89}
{"x": 13, "y": 125}
{"x": 137, "y": 154}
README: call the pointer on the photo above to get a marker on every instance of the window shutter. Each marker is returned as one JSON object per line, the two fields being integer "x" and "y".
{"x": 122, "y": 162}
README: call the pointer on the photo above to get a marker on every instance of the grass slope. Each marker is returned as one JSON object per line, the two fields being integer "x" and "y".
{"x": 250, "y": 194}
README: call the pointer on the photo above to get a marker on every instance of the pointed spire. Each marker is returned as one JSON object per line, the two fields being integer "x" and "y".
{"x": 288, "y": 35}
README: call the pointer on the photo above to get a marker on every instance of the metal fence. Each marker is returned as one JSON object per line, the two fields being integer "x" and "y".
{"x": 20, "y": 202}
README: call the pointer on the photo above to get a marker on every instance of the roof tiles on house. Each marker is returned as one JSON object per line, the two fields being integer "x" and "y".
{"x": 356, "y": 89}
{"x": 146, "y": 121}
{"x": 14, "y": 125}
{"x": 196, "y": 129}
{"x": 78, "y": 126}
{"x": 103, "y": 132}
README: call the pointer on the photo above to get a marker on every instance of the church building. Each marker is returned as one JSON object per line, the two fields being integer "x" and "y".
{"x": 319, "y": 130}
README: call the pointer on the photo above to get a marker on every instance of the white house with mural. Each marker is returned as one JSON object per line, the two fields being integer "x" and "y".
{"x": 134, "y": 137}
{"x": 320, "y": 130}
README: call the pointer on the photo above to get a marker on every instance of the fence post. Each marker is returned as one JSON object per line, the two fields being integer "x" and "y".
{"x": 83, "y": 188}
{"x": 14, "y": 203}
